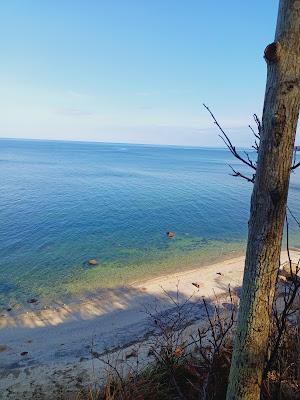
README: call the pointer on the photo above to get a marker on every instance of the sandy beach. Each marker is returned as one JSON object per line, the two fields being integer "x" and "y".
{"x": 56, "y": 343}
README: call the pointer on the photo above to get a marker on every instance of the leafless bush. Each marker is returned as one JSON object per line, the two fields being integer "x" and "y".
{"x": 190, "y": 359}
{"x": 282, "y": 372}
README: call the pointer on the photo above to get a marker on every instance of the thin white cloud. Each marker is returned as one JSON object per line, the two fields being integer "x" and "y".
{"x": 73, "y": 112}
{"x": 75, "y": 94}
{"x": 147, "y": 94}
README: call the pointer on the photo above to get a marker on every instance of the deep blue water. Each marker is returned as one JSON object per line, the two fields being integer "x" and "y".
{"x": 62, "y": 203}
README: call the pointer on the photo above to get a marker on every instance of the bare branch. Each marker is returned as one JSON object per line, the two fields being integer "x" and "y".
{"x": 295, "y": 166}
{"x": 240, "y": 175}
{"x": 255, "y": 146}
{"x": 228, "y": 143}
{"x": 248, "y": 158}
{"x": 254, "y": 133}
{"x": 258, "y": 124}
{"x": 281, "y": 318}
{"x": 293, "y": 216}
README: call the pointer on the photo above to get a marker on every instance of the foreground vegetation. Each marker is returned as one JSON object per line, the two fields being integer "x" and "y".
{"x": 194, "y": 363}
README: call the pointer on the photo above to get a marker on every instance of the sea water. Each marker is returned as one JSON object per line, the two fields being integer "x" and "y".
{"x": 63, "y": 203}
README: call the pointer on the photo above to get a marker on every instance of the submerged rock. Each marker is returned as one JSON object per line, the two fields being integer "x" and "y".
{"x": 171, "y": 234}
{"x": 32, "y": 301}
{"x": 92, "y": 262}
{"x": 3, "y": 347}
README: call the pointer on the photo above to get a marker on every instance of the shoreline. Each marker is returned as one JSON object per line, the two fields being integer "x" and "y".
{"x": 38, "y": 312}
{"x": 233, "y": 254}
{"x": 58, "y": 342}
{"x": 40, "y": 305}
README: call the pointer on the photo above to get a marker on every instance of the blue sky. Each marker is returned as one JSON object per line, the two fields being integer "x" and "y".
{"x": 132, "y": 70}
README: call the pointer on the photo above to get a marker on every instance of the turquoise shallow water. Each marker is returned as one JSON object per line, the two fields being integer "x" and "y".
{"x": 62, "y": 203}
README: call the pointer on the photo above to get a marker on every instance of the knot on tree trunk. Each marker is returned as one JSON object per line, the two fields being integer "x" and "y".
{"x": 272, "y": 52}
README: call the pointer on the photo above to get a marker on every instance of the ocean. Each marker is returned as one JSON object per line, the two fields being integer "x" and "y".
{"x": 63, "y": 203}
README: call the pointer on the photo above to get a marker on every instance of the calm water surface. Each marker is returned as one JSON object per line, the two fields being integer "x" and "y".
{"x": 62, "y": 203}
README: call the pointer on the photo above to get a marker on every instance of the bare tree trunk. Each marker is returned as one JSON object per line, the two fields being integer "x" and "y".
{"x": 268, "y": 204}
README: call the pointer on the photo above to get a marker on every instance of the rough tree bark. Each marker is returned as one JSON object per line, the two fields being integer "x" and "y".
{"x": 268, "y": 204}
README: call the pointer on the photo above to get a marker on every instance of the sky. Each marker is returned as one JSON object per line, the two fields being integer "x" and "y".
{"x": 134, "y": 71}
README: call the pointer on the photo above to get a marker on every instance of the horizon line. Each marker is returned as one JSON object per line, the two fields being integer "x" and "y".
{"x": 119, "y": 143}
